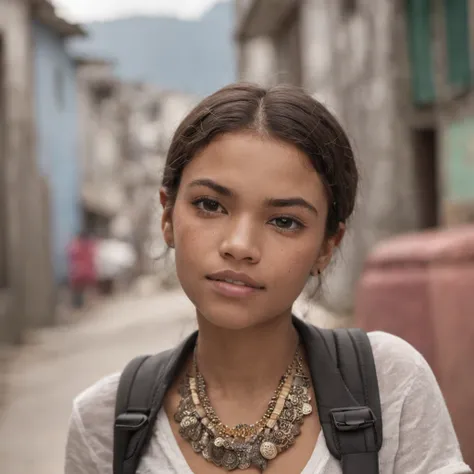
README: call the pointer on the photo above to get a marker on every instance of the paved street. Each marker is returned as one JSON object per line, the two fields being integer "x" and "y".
{"x": 60, "y": 362}
{"x": 46, "y": 375}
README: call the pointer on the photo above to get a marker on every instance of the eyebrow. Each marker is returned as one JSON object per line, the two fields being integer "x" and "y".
{"x": 218, "y": 188}
{"x": 269, "y": 202}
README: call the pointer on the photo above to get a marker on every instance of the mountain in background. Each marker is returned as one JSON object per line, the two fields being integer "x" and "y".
{"x": 192, "y": 56}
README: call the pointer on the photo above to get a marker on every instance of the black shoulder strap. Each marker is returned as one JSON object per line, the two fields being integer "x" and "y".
{"x": 142, "y": 388}
{"x": 353, "y": 432}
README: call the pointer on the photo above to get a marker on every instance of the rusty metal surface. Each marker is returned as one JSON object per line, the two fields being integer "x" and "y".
{"x": 421, "y": 287}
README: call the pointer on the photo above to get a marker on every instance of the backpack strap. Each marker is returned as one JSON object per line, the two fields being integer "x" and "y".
{"x": 344, "y": 378}
{"x": 141, "y": 391}
{"x": 353, "y": 431}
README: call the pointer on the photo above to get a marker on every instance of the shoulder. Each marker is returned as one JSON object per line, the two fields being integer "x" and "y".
{"x": 395, "y": 357}
{"x": 94, "y": 412}
{"x": 89, "y": 446}
{"x": 419, "y": 435}
{"x": 99, "y": 398}
{"x": 401, "y": 369}
{"x": 406, "y": 382}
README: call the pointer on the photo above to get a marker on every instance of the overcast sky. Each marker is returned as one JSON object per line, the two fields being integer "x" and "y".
{"x": 87, "y": 10}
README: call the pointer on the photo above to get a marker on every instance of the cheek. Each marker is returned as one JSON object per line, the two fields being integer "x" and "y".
{"x": 193, "y": 239}
{"x": 292, "y": 263}
{"x": 186, "y": 227}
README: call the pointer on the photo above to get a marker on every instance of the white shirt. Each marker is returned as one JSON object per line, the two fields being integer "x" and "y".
{"x": 418, "y": 433}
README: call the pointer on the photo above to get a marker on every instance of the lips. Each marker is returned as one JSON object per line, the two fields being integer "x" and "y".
{"x": 236, "y": 278}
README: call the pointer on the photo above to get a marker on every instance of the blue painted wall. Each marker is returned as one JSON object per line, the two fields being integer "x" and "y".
{"x": 58, "y": 137}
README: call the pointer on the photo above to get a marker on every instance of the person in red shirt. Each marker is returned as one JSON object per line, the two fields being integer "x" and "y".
{"x": 82, "y": 271}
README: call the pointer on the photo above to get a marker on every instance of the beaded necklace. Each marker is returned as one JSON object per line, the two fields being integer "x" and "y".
{"x": 244, "y": 445}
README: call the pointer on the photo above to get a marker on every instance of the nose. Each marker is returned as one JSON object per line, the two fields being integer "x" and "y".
{"x": 240, "y": 242}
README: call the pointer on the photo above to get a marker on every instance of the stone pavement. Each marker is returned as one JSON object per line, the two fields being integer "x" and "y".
{"x": 58, "y": 363}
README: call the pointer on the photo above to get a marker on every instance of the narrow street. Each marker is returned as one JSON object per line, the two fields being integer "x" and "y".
{"x": 45, "y": 376}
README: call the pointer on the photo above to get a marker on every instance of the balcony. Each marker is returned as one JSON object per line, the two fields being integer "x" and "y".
{"x": 261, "y": 17}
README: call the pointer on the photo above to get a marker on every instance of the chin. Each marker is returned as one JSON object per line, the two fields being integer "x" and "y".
{"x": 229, "y": 316}
{"x": 228, "y": 322}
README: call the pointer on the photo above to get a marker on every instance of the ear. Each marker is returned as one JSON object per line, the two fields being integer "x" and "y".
{"x": 167, "y": 218}
{"x": 327, "y": 250}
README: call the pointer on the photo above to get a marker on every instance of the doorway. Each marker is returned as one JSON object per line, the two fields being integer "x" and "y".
{"x": 425, "y": 148}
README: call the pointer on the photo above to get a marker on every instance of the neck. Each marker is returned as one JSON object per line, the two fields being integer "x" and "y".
{"x": 249, "y": 361}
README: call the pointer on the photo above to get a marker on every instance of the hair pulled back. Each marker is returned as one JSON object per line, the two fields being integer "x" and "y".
{"x": 283, "y": 112}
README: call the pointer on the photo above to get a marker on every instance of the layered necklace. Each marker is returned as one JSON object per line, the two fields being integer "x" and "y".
{"x": 244, "y": 446}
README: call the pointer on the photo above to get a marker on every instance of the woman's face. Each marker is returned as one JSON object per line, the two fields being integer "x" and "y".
{"x": 248, "y": 228}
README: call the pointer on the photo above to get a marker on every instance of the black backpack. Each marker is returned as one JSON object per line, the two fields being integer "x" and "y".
{"x": 344, "y": 378}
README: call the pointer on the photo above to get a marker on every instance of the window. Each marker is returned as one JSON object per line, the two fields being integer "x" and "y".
{"x": 154, "y": 111}
{"x": 348, "y": 7}
{"x": 59, "y": 86}
{"x": 420, "y": 50}
{"x": 101, "y": 92}
{"x": 458, "y": 42}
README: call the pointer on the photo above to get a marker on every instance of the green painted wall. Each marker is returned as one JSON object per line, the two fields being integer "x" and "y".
{"x": 459, "y": 162}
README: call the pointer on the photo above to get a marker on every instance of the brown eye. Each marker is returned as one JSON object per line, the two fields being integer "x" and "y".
{"x": 287, "y": 223}
{"x": 207, "y": 205}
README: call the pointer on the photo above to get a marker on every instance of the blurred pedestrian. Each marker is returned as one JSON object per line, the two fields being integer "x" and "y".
{"x": 113, "y": 260}
{"x": 82, "y": 273}
{"x": 258, "y": 187}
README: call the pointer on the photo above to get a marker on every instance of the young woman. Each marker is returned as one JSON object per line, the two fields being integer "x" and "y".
{"x": 257, "y": 190}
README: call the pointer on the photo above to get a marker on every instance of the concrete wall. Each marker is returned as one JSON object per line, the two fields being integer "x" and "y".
{"x": 28, "y": 293}
{"x": 57, "y": 137}
{"x": 15, "y": 123}
{"x": 346, "y": 66}
{"x": 258, "y": 61}
{"x": 175, "y": 106}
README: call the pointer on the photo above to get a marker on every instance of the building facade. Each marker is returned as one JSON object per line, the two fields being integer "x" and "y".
{"x": 398, "y": 75}
{"x": 126, "y": 131}
{"x": 26, "y": 278}
{"x": 154, "y": 115}
{"x": 57, "y": 130}
{"x": 16, "y": 167}
{"x": 101, "y": 145}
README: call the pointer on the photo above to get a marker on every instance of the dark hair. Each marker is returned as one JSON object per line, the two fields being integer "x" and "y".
{"x": 284, "y": 112}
